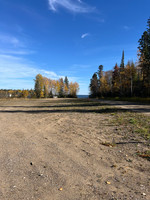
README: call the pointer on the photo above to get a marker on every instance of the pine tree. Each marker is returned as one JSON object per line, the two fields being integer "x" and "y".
{"x": 116, "y": 80}
{"x": 66, "y": 86}
{"x": 94, "y": 86}
{"x": 122, "y": 76}
{"x": 100, "y": 75}
{"x": 66, "y": 81}
{"x": 144, "y": 60}
{"x": 122, "y": 62}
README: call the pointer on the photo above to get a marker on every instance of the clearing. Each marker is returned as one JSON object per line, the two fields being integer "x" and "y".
{"x": 73, "y": 149}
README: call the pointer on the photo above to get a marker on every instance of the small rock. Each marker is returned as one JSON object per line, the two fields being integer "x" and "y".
{"x": 60, "y": 189}
{"x": 108, "y": 182}
{"x": 144, "y": 194}
{"x": 113, "y": 166}
{"x": 31, "y": 163}
{"x": 129, "y": 160}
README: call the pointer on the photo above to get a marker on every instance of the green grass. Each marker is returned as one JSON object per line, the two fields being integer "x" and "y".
{"x": 137, "y": 123}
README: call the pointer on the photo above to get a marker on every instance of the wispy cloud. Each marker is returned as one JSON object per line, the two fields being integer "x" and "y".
{"x": 17, "y": 67}
{"x": 16, "y": 52}
{"x": 7, "y": 39}
{"x": 84, "y": 35}
{"x": 75, "y": 6}
{"x": 127, "y": 28}
{"x": 15, "y": 72}
{"x": 18, "y": 73}
{"x": 14, "y": 45}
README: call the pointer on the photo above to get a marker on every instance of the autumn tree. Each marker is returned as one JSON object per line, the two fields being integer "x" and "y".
{"x": 74, "y": 88}
{"x": 57, "y": 87}
{"x": 39, "y": 86}
{"x": 61, "y": 88}
{"x": 131, "y": 77}
{"x": 46, "y": 86}
{"x": 108, "y": 83}
{"x": 25, "y": 93}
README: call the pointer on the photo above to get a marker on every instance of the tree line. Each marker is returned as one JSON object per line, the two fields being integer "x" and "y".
{"x": 45, "y": 87}
{"x": 17, "y": 93}
{"x": 132, "y": 79}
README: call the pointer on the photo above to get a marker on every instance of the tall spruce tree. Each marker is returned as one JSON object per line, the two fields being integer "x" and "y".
{"x": 122, "y": 62}
{"x": 122, "y": 77}
{"x": 66, "y": 81}
{"x": 61, "y": 91}
{"x": 116, "y": 80}
{"x": 144, "y": 59}
{"x": 66, "y": 86}
{"x": 94, "y": 86}
{"x": 100, "y": 75}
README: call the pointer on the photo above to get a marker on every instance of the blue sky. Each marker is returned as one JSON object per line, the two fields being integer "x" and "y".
{"x": 71, "y": 38}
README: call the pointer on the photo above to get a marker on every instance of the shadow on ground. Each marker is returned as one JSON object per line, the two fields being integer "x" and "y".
{"x": 107, "y": 110}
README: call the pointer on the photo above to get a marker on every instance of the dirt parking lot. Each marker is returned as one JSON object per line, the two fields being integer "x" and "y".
{"x": 63, "y": 149}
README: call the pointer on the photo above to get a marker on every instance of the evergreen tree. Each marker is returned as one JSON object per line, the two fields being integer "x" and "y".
{"x": 122, "y": 62}
{"x": 116, "y": 80}
{"x": 144, "y": 59}
{"x": 66, "y": 86}
{"x": 100, "y": 75}
{"x": 122, "y": 75}
{"x": 66, "y": 81}
{"x": 94, "y": 85}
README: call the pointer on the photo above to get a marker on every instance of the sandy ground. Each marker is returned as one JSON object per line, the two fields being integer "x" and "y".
{"x": 132, "y": 106}
{"x": 52, "y": 150}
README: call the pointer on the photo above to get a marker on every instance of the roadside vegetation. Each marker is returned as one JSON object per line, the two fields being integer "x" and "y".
{"x": 125, "y": 81}
{"x": 45, "y": 88}
{"x": 133, "y": 122}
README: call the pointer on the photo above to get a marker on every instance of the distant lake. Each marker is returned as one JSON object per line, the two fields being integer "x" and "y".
{"x": 82, "y": 96}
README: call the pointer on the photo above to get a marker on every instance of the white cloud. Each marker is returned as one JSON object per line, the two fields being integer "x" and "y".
{"x": 16, "y": 52}
{"x": 7, "y": 39}
{"x": 75, "y": 6}
{"x": 84, "y": 35}
{"x": 18, "y": 73}
{"x": 15, "y": 72}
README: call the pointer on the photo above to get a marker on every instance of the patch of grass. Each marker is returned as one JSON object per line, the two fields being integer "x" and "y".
{"x": 130, "y": 99}
{"x": 132, "y": 121}
{"x": 138, "y": 123}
